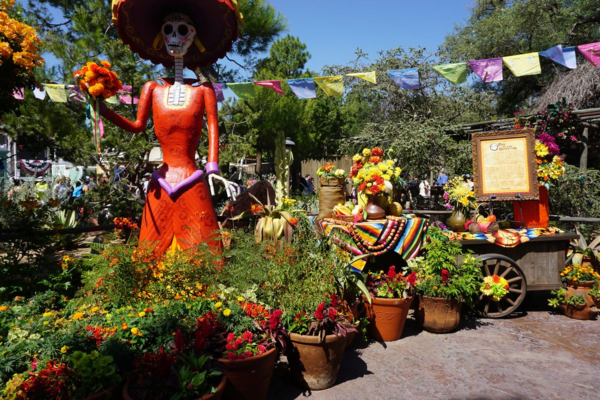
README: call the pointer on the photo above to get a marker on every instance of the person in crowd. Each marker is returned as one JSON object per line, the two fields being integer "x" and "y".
{"x": 60, "y": 189}
{"x": 469, "y": 182}
{"x": 310, "y": 188}
{"x": 442, "y": 179}
{"x": 425, "y": 188}
{"x": 41, "y": 187}
{"x": 146, "y": 182}
{"x": 413, "y": 188}
{"x": 77, "y": 191}
{"x": 14, "y": 189}
{"x": 249, "y": 183}
{"x": 91, "y": 182}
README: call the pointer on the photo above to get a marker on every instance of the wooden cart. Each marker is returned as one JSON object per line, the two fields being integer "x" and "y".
{"x": 530, "y": 266}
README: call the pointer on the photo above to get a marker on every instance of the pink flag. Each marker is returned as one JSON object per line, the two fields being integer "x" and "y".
{"x": 19, "y": 93}
{"x": 125, "y": 97}
{"x": 275, "y": 85}
{"x": 591, "y": 51}
{"x": 218, "y": 87}
{"x": 489, "y": 70}
{"x": 101, "y": 127}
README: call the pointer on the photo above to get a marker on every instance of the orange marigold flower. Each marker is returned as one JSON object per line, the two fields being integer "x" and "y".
{"x": 105, "y": 64}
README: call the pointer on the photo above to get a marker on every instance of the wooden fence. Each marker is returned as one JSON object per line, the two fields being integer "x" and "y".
{"x": 310, "y": 167}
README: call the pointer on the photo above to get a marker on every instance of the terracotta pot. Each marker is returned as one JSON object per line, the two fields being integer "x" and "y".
{"x": 350, "y": 336}
{"x": 249, "y": 378}
{"x": 581, "y": 312}
{"x": 373, "y": 207}
{"x": 457, "y": 221}
{"x": 316, "y": 365}
{"x": 387, "y": 318}
{"x": 213, "y": 396}
{"x": 535, "y": 212}
{"x": 582, "y": 288}
{"x": 109, "y": 393}
{"x": 438, "y": 314}
{"x": 589, "y": 261}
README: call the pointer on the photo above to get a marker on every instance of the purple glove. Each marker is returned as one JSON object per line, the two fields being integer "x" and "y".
{"x": 212, "y": 168}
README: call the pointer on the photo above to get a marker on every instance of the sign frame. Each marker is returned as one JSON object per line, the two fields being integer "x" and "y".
{"x": 527, "y": 138}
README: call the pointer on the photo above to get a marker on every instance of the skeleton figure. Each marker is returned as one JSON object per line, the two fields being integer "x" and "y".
{"x": 178, "y": 212}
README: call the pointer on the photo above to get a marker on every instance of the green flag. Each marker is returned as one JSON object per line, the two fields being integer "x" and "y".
{"x": 243, "y": 90}
{"x": 455, "y": 73}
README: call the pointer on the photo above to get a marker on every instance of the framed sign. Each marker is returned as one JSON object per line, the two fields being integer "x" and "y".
{"x": 504, "y": 165}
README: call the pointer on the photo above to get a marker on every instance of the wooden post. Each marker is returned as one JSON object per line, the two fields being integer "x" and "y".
{"x": 584, "y": 154}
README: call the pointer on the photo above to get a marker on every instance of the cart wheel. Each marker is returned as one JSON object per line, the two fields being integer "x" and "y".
{"x": 505, "y": 267}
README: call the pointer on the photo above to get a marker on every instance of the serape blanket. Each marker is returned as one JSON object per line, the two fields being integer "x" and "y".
{"x": 407, "y": 243}
{"x": 505, "y": 237}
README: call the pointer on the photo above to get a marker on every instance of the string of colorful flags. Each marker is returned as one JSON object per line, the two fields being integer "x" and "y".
{"x": 488, "y": 70}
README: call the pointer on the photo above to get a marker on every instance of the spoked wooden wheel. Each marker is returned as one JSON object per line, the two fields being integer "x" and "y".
{"x": 497, "y": 264}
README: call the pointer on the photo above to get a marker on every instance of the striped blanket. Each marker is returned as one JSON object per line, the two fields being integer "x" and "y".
{"x": 505, "y": 237}
{"x": 407, "y": 244}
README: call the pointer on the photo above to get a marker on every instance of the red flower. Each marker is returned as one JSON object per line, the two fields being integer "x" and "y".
{"x": 375, "y": 159}
{"x": 319, "y": 312}
{"x": 248, "y": 353}
{"x": 334, "y": 300}
{"x": 229, "y": 347}
{"x": 179, "y": 340}
{"x": 412, "y": 278}
{"x": 231, "y": 356}
{"x": 299, "y": 315}
{"x": 375, "y": 189}
{"x": 248, "y": 336}
{"x": 241, "y": 357}
{"x": 391, "y": 272}
{"x": 332, "y": 313}
{"x": 230, "y": 337}
{"x": 238, "y": 342}
{"x": 445, "y": 275}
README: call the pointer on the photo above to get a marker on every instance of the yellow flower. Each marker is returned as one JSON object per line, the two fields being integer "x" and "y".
{"x": 435, "y": 288}
{"x": 95, "y": 309}
{"x": 78, "y": 315}
{"x": 47, "y": 314}
{"x": 134, "y": 331}
{"x": 240, "y": 298}
{"x": 141, "y": 314}
{"x": 3, "y": 308}
{"x": 45, "y": 322}
{"x": 227, "y": 312}
{"x": 219, "y": 304}
{"x": 366, "y": 152}
{"x": 64, "y": 349}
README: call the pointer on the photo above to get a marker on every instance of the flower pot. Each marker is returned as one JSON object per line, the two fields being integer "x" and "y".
{"x": 249, "y": 378}
{"x": 438, "y": 314}
{"x": 331, "y": 193}
{"x": 373, "y": 207}
{"x": 457, "y": 221}
{"x": 581, "y": 312}
{"x": 213, "y": 396}
{"x": 350, "y": 336}
{"x": 387, "y": 318}
{"x": 582, "y": 288}
{"x": 315, "y": 365}
{"x": 535, "y": 212}
{"x": 109, "y": 393}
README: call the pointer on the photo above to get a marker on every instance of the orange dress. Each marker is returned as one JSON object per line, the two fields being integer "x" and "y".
{"x": 179, "y": 209}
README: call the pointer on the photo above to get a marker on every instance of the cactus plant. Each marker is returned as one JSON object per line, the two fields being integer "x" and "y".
{"x": 283, "y": 160}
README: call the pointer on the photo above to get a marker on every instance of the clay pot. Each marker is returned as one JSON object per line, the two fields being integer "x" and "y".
{"x": 387, "y": 318}
{"x": 315, "y": 365}
{"x": 457, "y": 221}
{"x": 373, "y": 207}
{"x": 438, "y": 314}
{"x": 581, "y": 312}
{"x": 109, "y": 393}
{"x": 582, "y": 288}
{"x": 213, "y": 396}
{"x": 350, "y": 336}
{"x": 249, "y": 378}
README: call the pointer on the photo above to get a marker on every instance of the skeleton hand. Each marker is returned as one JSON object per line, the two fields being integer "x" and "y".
{"x": 232, "y": 189}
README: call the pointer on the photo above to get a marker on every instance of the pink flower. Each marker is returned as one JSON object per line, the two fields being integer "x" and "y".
{"x": 261, "y": 348}
{"x": 573, "y": 138}
{"x": 248, "y": 353}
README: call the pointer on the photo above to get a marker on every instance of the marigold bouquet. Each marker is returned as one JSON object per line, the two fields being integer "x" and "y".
{"x": 549, "y": 166}
{"x": 459, "y": 196}
{"x": 577, "y": 273}
{"x": 372, "y": 175}
{"x": 330, "y": 171}
{"x": 98, "y": 80}
{"x": 495, "y": 287}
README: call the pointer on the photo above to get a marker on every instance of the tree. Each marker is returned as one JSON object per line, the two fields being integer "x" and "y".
{"x": 500, "y": 28}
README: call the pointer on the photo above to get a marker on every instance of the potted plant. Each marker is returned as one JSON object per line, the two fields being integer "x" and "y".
{"x": 574, "y": 305}
{"x": 175, "y": 374}
{"x": 318, "y": 341}
{"x": 249, "y": 357}
{"x": 580, "y": 281}
{"x": 374, "y": 178}
{"x": 391, "y": 295}
{"x": 443, "y": 283}
{"x": 595, "y": 294}
{"x": 460, "y": 199}
{"x": 584, "y": 254}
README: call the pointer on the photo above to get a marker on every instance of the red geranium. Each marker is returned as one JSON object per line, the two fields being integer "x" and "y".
{"x": 377, "y": 151}
{"x": 445, "y": 275}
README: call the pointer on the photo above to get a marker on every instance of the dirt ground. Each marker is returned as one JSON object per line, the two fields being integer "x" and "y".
{"x": 537, "y": 354}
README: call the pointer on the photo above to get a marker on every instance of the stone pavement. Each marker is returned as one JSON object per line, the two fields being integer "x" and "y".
{"x": 536, "y": 355}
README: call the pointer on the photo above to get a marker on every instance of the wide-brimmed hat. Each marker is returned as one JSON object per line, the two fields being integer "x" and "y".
{"x": 139, "y": 23}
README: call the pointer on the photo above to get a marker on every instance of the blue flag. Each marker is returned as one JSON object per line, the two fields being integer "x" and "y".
{"x": 406, "y": 78}
{"x": 555, "y": 54}
{"x": 570, "y": 57}
{"x": 303, "y": 88}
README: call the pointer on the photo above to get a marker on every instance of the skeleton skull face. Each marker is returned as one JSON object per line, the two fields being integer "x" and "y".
{"x": 178, "y": 33}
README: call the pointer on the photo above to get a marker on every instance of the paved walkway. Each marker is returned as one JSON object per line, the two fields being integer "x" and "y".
{"x": 537, "y": 355}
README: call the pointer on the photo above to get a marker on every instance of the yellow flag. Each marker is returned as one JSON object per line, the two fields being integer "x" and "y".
{"x": 367, "y": 76}
{"x": 57, "y": 93}
{"x": 332, "y": 85}
{"x": 523, "y": 64}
